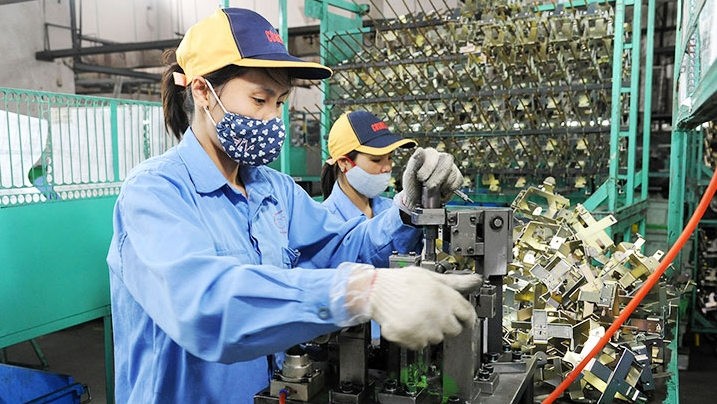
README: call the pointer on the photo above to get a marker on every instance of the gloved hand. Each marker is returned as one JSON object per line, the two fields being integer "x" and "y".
{"x": 414, "y": 306}
{"x": 433, "y": 169}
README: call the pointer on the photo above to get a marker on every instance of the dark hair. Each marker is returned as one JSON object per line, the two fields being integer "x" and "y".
{"x": 177, "y": 101}
{"x": 330, "y": 173}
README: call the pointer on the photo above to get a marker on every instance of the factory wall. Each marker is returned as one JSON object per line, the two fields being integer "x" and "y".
{"x": 23, "y": 35}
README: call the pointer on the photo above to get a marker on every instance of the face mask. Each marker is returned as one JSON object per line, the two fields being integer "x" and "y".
{"x": 368, "y": 185}
{"x": 248, "y": 141}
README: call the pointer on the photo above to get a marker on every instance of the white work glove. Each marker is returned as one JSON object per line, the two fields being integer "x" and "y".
{"x": 433, "y": 169}
{"x": 414, "y": 306}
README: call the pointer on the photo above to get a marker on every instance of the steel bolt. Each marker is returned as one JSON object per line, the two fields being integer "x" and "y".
{"x": 496, "y": 223}
{"x": 390, "y": 385}
{"x": 346, "y": 387}
{"x": 517, "y": 355}
{"x": 491, "y": 357}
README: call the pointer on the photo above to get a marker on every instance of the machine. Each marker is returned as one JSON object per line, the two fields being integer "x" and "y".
{"x": 473, "y": 367}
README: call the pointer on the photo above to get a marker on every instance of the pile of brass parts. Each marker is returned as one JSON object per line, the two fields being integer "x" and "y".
{"x": 514, "y": 93}
{"x": 566, "y": 285}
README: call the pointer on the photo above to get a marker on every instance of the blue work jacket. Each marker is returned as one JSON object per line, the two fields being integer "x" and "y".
{"x": 206, "y": 283}
{"x": 340, "y": 205}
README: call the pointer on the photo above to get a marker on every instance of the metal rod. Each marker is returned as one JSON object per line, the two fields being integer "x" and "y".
{"x": 389, "y": 99}
{"x": 313, "y": 115}
{"x": 109, "y": 48}
{"x": 425, "y": 76}
{"x": 348, "y": 81}
{"x": 73, "y": 31}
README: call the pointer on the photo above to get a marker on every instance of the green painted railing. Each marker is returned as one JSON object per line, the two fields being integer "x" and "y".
{"x": 62, "y": 160}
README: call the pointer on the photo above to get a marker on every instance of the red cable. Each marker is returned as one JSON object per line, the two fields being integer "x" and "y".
{"x": 282, "y": 396}
{"x": 644, "y": 290}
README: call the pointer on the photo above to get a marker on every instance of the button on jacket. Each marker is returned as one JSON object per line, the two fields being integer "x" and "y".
{"x": 206, "y": 283}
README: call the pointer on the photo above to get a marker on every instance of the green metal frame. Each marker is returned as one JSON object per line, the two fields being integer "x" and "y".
{"x": 285, "y": 153}
{"x": 624, "y": 194}
{"x": 628, "y": 202}
{"x": 695, "y": 103}
{"x": 332, "y": 24}
{"x": 292, "y": 159}
{"x": 53, "y": 246}
{"x": 53, "y": 266}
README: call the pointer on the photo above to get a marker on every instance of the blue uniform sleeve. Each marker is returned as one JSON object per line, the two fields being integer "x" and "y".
{"x": 405, "y": 239}
{"x": 219, "y": 308}
{"x": 333, "y": 240}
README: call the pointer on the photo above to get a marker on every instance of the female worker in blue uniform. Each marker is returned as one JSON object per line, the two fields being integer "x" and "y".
{"x": 359, "y": 169}
{"x": 218, "y": 261}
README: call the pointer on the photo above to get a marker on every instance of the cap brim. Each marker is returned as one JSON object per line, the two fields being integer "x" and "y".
{"x": 297, "y": 68}
{"x": 377, "y": 150}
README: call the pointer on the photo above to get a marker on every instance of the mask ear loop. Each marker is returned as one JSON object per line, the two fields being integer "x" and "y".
{"x": 206, "y": 109}
{"x": 353, "y": 164}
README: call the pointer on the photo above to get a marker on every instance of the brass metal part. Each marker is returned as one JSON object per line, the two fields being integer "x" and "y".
{"x": 514, "y": 93}
{"x": 567, "y": 283}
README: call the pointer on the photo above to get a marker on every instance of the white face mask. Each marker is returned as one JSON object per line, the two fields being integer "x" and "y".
{"x": 368, "y": 185}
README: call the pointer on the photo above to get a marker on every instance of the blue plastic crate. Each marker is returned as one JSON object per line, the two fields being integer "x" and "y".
{"x": 24, "y": 385}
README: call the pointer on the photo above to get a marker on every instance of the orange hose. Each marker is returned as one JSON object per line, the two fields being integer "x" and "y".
{"x": 644, "y": 290}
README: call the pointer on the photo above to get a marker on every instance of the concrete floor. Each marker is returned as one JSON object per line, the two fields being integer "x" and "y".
{"x": 79, "y": 352}
{"x": 698, "y": 384}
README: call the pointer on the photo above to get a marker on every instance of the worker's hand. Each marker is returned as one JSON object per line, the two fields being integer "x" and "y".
{"x": 433, "y": 169}
{"x": 414, "y": 306}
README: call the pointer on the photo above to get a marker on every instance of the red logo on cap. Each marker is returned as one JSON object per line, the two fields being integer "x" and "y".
{"x": 379, "y": 126}
{"x": 273, "y": 37}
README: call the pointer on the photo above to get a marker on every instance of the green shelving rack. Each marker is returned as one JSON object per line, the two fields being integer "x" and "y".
{"x": 694, "y": 108}
{"x": 623, "y": 192}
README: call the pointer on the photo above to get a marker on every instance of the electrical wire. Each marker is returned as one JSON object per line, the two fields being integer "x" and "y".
{"x": 644, "y": 290}
{"x": 282, "y": 396}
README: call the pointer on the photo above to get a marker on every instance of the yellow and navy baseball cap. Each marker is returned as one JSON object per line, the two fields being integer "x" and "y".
{"x": 364, "y": 132}
{"x": 237, "y": 36}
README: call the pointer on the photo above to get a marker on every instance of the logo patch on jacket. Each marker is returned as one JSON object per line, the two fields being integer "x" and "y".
{"x": 280, "y": 221}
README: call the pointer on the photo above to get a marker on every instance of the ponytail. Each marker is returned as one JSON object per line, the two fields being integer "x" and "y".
{"x": 176, "y": 100}
{"x": 329, "y": 174}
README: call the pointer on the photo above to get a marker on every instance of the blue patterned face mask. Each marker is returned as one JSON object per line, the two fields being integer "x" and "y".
{"x": 248, "y": 141}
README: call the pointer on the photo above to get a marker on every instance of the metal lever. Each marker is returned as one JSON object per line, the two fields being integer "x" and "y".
{"x": 463, "y": 196}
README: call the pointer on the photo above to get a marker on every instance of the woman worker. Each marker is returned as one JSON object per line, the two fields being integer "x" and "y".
{"x": 359, "y": 169}
{"x": 218, "y": 261}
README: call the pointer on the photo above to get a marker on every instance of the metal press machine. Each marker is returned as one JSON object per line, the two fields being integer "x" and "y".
{"x": 472, "y": 367}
